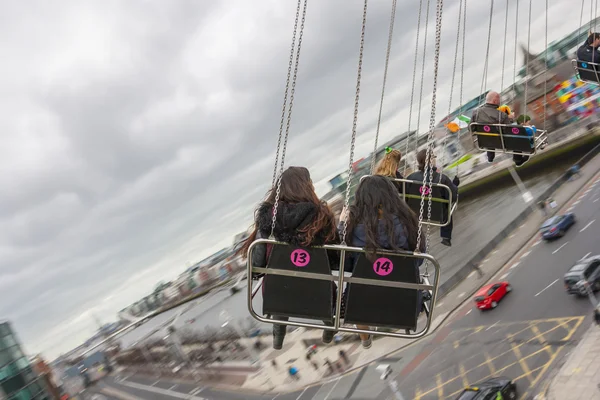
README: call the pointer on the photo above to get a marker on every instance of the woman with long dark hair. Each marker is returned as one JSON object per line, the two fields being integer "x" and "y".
{"x": 302, "y": 220}
{"x": 380, "y": 219}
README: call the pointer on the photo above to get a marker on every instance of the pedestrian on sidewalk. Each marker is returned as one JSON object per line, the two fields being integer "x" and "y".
{"x": 293, "y": 371}
{"x": 542, "y": 206}
{"x": 344, "y": 357}
{"x": 597, "y": 314}
{"x": 315, "y": 365}
{"x": 274, "y": 364}
{"x": 329, "y": 366}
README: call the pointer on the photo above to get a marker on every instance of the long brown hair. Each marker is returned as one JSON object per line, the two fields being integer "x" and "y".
{"x": 389, "y": 164}
{"x": 297, "y": 187}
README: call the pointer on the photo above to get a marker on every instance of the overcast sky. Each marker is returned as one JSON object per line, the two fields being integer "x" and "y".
{"x": 138, "y": 136}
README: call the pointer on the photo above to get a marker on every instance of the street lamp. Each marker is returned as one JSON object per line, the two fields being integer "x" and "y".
{"x": 226, "y": 319}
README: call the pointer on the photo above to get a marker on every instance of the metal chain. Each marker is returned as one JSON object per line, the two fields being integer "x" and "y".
{"x": 487, "y": 52}
{"x": 412, "y": 93}
{"x": 504, "y": 50}
{"x": 516, "y": 46}
{"x": 546, "y": 68}
{"x": 289, "y": 117}
{"x": 438, "y": 34}
{"x": 527, "y": 59}
{"x": 422, "y": 81}
{"x": 287, "y": 87}
{"x": 462, "y": 67}
{"x": 451, "y": 87}
{"x": 385, "y": 70}
{"x": 355, "y": 120}
{"x": 293, "y": 91}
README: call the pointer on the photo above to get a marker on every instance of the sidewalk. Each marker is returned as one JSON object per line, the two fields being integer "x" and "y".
{"x": 579, "y": 377}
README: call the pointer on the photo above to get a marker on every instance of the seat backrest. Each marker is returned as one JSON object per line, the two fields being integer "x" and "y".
{"x": 516, "y": 138}
{"x": 588, "y": 71}
{"x": 384, "y": 306}
{"x": 294, "y": 296}
{"x": 490, "y": 137}
{"x": 439, "y": 203}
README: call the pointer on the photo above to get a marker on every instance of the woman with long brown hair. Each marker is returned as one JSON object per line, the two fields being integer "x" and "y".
{"x": 302, "y": 219}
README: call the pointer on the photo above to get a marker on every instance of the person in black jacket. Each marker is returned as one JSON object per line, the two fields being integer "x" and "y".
{"x": 302, "y": 219}
{"x": 588, "y": 51}
{"x": 489, "y": 114}
{"x": 445, "y": 231}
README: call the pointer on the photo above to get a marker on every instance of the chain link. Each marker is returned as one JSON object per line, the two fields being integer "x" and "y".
{"x": 546, "y": 67}
{"x": 289, "y": 117}
{"x": 355, "y": 121}
{"x": 385, "y": 70}
{"x": 451, "y": 89}
{"x": 527, "y": 58}
{"x": 428, "y": 171}
{"x": 412, "y": 93}
{"x": 422, "y": 82}
{"x": 487, "y": 52}
{"x": 516, "y": 46}
{"x": 462, "y": 69}
{"x": 504, "y": 51}
{"x": 285, "y": 96}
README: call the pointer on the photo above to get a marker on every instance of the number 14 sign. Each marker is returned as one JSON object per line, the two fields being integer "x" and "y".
{"x": 383, "y": 266}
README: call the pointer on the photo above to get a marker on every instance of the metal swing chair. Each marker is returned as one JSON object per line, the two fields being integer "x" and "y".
{"x": 506, "y": 138}
{"x": 443, "y": 205}
{"x": 298, "y": 281}
{"x": 585, "y": 71}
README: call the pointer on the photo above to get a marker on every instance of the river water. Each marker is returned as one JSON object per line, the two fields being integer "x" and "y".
{"x": 475, "y": 212}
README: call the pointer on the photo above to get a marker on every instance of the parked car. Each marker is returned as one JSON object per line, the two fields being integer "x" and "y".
{"x": 556, "y": 226}
{"x": 489, "y": 390}
{"x": 490, "y": 295}
{"x": 584, "y": 275}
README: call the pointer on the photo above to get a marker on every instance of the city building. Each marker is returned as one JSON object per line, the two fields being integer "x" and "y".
{"x": 18, "y": 380}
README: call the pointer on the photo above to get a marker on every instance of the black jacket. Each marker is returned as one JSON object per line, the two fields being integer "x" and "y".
{"x": 489, "y": 114}
{"x": 291, "y": 218}
{"x": 589, "y": 54}
{"x": 453, "y": 185}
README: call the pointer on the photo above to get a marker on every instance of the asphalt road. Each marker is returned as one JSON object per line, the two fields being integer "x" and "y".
{"x": 522, "y": 338}
{"x": 528, "y": 331}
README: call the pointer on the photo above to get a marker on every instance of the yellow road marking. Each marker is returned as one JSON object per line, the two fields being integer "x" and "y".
{"x": 438, "y": 381}
{"x": 489, "y": 362}
{"x": 456, "y": 344}
{"x": 560, "y": 323}
{"x": 519, "y": 356}
{"x": 463, "y": 375}
{"x": 553, "y": 357}
{"x": 418, "y": 393}
{"x": 543, "y": 340}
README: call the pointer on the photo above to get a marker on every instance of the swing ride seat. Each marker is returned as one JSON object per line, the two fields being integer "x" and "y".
{"x": 303, "y": 289}
{"x": 378, "y": 306}
{"x": 287, "y": 295}
{"x": 510, "y": 139}
{"x": 442, "y": 205}
{"x": 587, "y": 71}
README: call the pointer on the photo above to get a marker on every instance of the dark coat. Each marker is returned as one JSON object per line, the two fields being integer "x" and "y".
{"x": 589, "y": 54}
{"x": 489, "y": 114}
{"x": 290, "y": 220}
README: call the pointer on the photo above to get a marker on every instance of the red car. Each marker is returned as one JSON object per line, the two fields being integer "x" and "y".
{"x": 490, "y": 295}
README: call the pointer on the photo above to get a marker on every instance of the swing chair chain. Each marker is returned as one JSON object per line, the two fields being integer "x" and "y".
{"x": 412, "y": 93}
{"x": 385, "y": 71}
{"x": 287, "y": 88}
{"x": 355, "y": 120}
{"x": 451, "y": 88}
{"x": 428, "y": 169}
{"x": 289, "y": 116}
{"x": 293, "y": 90}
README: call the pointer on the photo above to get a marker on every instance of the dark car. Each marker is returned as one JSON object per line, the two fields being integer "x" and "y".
{"x": 583, "y": 275}
{"x": 556, "y": 226}
{"x": 489, "y": 389}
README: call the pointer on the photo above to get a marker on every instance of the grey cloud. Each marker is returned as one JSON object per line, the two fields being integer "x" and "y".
{"x": 162, "y": 162}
